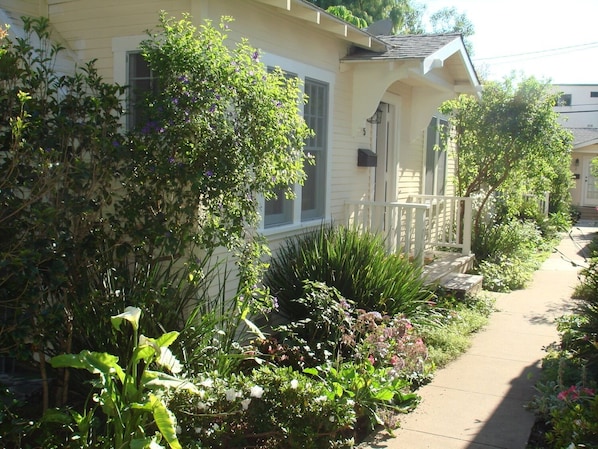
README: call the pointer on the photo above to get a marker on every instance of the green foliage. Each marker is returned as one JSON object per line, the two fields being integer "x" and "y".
{"x": 93, "y": 219}
{"x": 450, "y": 20}
{"x": 368, "y": 387}
{"x": 585, "y": 340}
{"x": 356, "y": 264}
{"x": 509, "y": 253}
{"x": 267, "y": 408}
{"x": 221, "y": 131}
{"x": 508, "y": 141}
{"x": 343, "y": 13}
{"x": 334, "y": 331}
{"x": 449, "y": 335}
{"x": 129, "y": 394}
{"x": 406, "y": 17}
{"x": 59, "y": 136}
{"x": 563, "y": 399}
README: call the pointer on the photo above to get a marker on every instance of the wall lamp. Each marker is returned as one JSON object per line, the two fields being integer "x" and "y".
{"x": 376, "y": 118}
{"x": 576, "y": 162}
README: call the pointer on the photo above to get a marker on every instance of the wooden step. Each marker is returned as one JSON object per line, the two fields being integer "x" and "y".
{"x": 462, "y": 284}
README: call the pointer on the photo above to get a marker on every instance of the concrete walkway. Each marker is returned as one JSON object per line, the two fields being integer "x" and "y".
{"x": 477, "y": 401}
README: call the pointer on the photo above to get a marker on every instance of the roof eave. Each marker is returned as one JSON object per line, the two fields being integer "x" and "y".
{"x": 303, "y": 10}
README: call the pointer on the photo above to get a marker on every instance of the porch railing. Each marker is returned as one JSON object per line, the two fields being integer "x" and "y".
{"x": 448, "y": 223}
{"x": 424, "y": 223}
{"x": 402, "y": 225}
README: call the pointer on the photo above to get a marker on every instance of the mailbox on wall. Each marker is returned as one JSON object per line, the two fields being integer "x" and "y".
{"x": 366, "y": 158}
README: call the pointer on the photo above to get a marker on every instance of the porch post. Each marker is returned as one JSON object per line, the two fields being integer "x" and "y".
{"x": 467, "y": 225}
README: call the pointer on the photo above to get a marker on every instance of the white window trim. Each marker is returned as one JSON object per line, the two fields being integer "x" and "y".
{"x": 303, "y": 71}
{"x": 121, "y": 46}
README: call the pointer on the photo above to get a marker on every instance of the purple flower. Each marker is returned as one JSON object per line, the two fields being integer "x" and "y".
{"x": 171, "y": 160}
{"x": 183, "y": 79}
{"x": 175, "y": 101}
{"x": 255, "y": 56}
{"x": 209, "y": 173}
{"x": 212, "y": 108}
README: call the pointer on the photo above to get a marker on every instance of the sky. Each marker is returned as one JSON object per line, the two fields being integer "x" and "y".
{"x": 554, "y": 41}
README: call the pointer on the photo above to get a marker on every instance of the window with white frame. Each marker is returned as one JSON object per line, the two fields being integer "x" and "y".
{"x": 310, "y": 201}
{"x": 436, "y": 157}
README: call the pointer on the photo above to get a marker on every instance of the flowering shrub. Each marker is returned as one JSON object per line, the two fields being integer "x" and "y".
{"x": 267, "y": 408}
{"x": 390, "y": 342}
{"x": 575, "y": 420}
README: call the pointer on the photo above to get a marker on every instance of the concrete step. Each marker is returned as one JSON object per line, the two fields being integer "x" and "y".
{"x": 445, "y": 263}
{"x": 462, "y": 284}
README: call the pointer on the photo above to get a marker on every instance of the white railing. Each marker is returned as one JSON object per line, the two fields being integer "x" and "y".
{"x": 543, "y": 201}
{"x": 402, "y": 225}
{"x": 448, "y": 222}
{"x": 424, "y": 223}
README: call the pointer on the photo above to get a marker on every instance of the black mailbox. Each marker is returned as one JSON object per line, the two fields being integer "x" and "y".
{"x": 366, "y": 158}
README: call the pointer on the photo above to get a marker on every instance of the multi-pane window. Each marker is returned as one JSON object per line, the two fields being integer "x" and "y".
{"x": 316, "y": 116}
{"x": 140, "y": 82}
{"x": 564, "y": 100}
{"x": 436, "y": 157}
{"x": 311, "y": 197}
{"x": 310, "y": 201}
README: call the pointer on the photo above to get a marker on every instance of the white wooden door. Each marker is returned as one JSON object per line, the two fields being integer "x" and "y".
{"x": 384, "y": 152}
{"x": 589, "y": 188}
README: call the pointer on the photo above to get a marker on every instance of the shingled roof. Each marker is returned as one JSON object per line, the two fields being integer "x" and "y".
{"x": 584, "y": 136}
{"x": 411, "y": 46}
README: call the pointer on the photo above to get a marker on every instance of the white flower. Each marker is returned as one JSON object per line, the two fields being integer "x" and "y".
{"x": 331, "y": 418}
{"x": 178, "y": 430}
{"x": 169, "y": 361}
{"x": 294, "y": 384}
{"x": 131, "y": 314}
{"x": 231, "y": 394}
{"x": 208, "y": 383}
{"x": 201, "y": 406}
{"x": 245, "y": 403}
{"x": 197, "y": 430}
{"x": 256, "y": 391}
{"x": 321, "y": 399}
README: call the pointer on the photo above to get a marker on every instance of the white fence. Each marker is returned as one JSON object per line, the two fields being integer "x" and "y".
{"x": 424, "y": 223}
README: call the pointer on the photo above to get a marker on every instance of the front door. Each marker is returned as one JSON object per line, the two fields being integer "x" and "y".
{"x": 590, "y": 189}
{"x": 384, "y": 136}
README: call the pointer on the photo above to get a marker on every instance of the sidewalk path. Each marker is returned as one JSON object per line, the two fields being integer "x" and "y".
{"x": 477, "y": 401}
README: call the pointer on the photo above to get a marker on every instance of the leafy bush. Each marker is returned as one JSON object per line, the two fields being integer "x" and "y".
{"x": 370, "y": 388}
{"x": 355, "y": 263}
{"x": 267, "y": 408}
{"x": 129, "y": 395}
{"x": 334, "y": 331}
{"x": 508, "y": 254}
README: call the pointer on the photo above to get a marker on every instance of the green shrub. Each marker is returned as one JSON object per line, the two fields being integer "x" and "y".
{"x": 585, "y": 341}
{"x": 270, "y": 407}
{"x": 508, "y": 254}
{"x": 370, "y": 388}
{"x": 355, "y": 263}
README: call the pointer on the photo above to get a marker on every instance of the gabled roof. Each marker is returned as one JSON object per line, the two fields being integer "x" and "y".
{"x": 433, "y": 50}
{"x": 411, "y": 46}
{"x": 583, "y": 137}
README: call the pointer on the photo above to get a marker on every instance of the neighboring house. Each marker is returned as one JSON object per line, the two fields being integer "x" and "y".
{"x": 373, "y": 99}
{"x": 578, "y": 106}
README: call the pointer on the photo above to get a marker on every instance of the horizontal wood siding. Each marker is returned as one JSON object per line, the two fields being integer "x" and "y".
{"x": 88, "y": 26}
